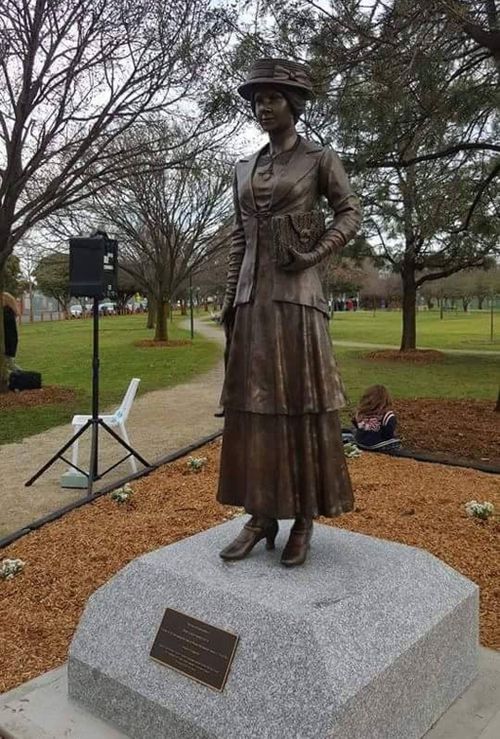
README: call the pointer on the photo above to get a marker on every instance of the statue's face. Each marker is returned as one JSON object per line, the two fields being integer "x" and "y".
{"x": 272, "y": 109}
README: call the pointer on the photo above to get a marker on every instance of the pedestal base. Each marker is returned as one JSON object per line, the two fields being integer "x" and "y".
{"x": 367, "y": 639}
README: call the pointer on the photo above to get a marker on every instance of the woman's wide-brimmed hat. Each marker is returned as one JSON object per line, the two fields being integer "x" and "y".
{"x": 280, "y": 72}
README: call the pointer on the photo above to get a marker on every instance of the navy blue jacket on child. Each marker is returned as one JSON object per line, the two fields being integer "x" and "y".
{"x": 376, "y": 431}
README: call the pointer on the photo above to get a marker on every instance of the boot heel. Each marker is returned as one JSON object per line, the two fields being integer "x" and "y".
{"x": 270, "y": 541}
{"x": 271, "y": 536}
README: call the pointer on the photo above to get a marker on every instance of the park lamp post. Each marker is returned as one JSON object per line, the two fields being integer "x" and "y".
{"x": 492, "y": 314}
{"x": 191, "y": 313}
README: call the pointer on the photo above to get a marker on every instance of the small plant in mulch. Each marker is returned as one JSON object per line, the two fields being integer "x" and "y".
{"x": 9, "y": 568}
{"x": 351, "y": 451}
{"x": 483, "y": 510}
{"x": 122, "y": 495}
{"x": 196, "y": 464}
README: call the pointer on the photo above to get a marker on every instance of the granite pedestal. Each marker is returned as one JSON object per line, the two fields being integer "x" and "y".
{"x": 369, "y": 639}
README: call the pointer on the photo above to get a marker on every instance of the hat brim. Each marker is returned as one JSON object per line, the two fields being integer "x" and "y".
{"x": 247, "y": 88}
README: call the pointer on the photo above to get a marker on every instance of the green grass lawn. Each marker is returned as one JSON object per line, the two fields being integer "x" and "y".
{"x": 456, "y": 376}
{"x": 62, "y": 352}
{"x": 455, "y": 331}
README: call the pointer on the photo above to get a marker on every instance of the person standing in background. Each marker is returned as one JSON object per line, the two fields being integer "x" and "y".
{"x": 10, "y": 316}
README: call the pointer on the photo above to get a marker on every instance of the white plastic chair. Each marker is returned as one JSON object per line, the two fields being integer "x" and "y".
{"x": 114, "y": 420}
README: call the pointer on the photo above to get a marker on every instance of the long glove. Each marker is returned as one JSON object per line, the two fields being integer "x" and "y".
{"x": 300, "y": 260}
{"x": 235, "y": 259}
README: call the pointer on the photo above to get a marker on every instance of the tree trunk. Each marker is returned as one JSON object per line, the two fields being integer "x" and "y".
{"x": 497, "y": 407}
{"x": 4, "y": 375}
{"x": 409, "y": 336}
{"x": 161, "y": 332}
{"x": 184, "y": 309}
{"x": 480, "y": 302}
{"x": 32, "y": 317}
{"x": 151, "y": 313}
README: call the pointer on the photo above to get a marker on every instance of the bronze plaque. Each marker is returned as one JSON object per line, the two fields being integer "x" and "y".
{"x": 196, "y": 649}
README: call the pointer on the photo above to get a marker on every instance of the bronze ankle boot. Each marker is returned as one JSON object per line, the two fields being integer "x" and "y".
{"x": 298, "y": 543}
{"x": 253, "y": 531}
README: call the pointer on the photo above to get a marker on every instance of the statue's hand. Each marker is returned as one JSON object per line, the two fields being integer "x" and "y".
{"x": 226, "y": 314}
{"x": 301, "y": 261}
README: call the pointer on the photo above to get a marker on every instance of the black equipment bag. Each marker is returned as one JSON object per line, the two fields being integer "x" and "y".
{"x": 21, "y": 380}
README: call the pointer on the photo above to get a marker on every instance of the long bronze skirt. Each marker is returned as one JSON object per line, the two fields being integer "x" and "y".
{"x": 282, "y": 466}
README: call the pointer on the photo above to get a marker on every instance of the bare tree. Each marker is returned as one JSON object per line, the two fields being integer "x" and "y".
{"x": 379, "y": 285}
{"x": 169, "y": 223}
{"x": 74, "y": 77}
{"x": 210, "y": 278}
{"x": 52, "y": 278}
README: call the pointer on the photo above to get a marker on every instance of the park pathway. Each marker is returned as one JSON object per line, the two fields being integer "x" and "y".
{"x": 160, "y": 422}
{"x": 366, "y": 345}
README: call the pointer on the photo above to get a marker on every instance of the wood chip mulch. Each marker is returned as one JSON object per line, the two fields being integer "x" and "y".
{"x": 413, "y": 356}
{"x": 49, "y": 395}
{"x": 461, "y": 428}
{"x": 401, "y": 500}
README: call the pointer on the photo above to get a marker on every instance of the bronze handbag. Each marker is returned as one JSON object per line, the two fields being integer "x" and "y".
{"x": 301, "y": 231}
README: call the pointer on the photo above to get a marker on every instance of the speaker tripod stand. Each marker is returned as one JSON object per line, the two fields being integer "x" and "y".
{"x": 94, "y": 424}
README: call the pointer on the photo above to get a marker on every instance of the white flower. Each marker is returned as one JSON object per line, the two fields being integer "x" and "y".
{"x": 351, "y": 450}
{"x": 479, "y": 510}
{"x": 196, "y": 464}
{"x": 9, "y": 568}
{"x": 122, "y": 495}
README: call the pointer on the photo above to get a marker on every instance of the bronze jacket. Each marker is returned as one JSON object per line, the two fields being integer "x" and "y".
{"x": 311, "y": 173}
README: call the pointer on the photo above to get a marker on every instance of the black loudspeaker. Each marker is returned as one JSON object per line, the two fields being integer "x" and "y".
{"x": 93, "y": 266}
{"x": 21, "y": 380}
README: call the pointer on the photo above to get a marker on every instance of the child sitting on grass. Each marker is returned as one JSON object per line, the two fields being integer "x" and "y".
{"x": 375, "y": 421}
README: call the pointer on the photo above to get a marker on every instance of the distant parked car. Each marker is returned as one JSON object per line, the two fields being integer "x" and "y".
{"x": 76, "y": 311}
{"x": 107, "y": 309}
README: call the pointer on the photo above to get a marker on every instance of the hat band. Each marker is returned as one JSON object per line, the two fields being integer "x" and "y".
{"x": 282, "y": 73}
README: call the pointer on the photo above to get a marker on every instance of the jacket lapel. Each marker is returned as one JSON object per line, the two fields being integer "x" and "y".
{"x": 246, "y": 169}
{"x": 301, "y": 162}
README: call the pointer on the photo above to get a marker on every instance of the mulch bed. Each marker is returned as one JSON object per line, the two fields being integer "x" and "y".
{"x": 49, "y": 395}
{"x": 460, "y": 428}
{"x": 148, "y": 343}
{"x": 414, "y": 356}
{"x": 401, "y": 500}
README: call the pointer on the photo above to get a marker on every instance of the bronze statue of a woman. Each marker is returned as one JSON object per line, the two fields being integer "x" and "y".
{"x": 282, "y": 453}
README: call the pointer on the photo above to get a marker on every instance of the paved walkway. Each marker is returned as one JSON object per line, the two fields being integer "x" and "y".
{"x": 160, "y": 422}
{"x": 41, "y": 709}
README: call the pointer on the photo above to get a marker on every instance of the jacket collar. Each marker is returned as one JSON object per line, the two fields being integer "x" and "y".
{"x": 300, "y": 161}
